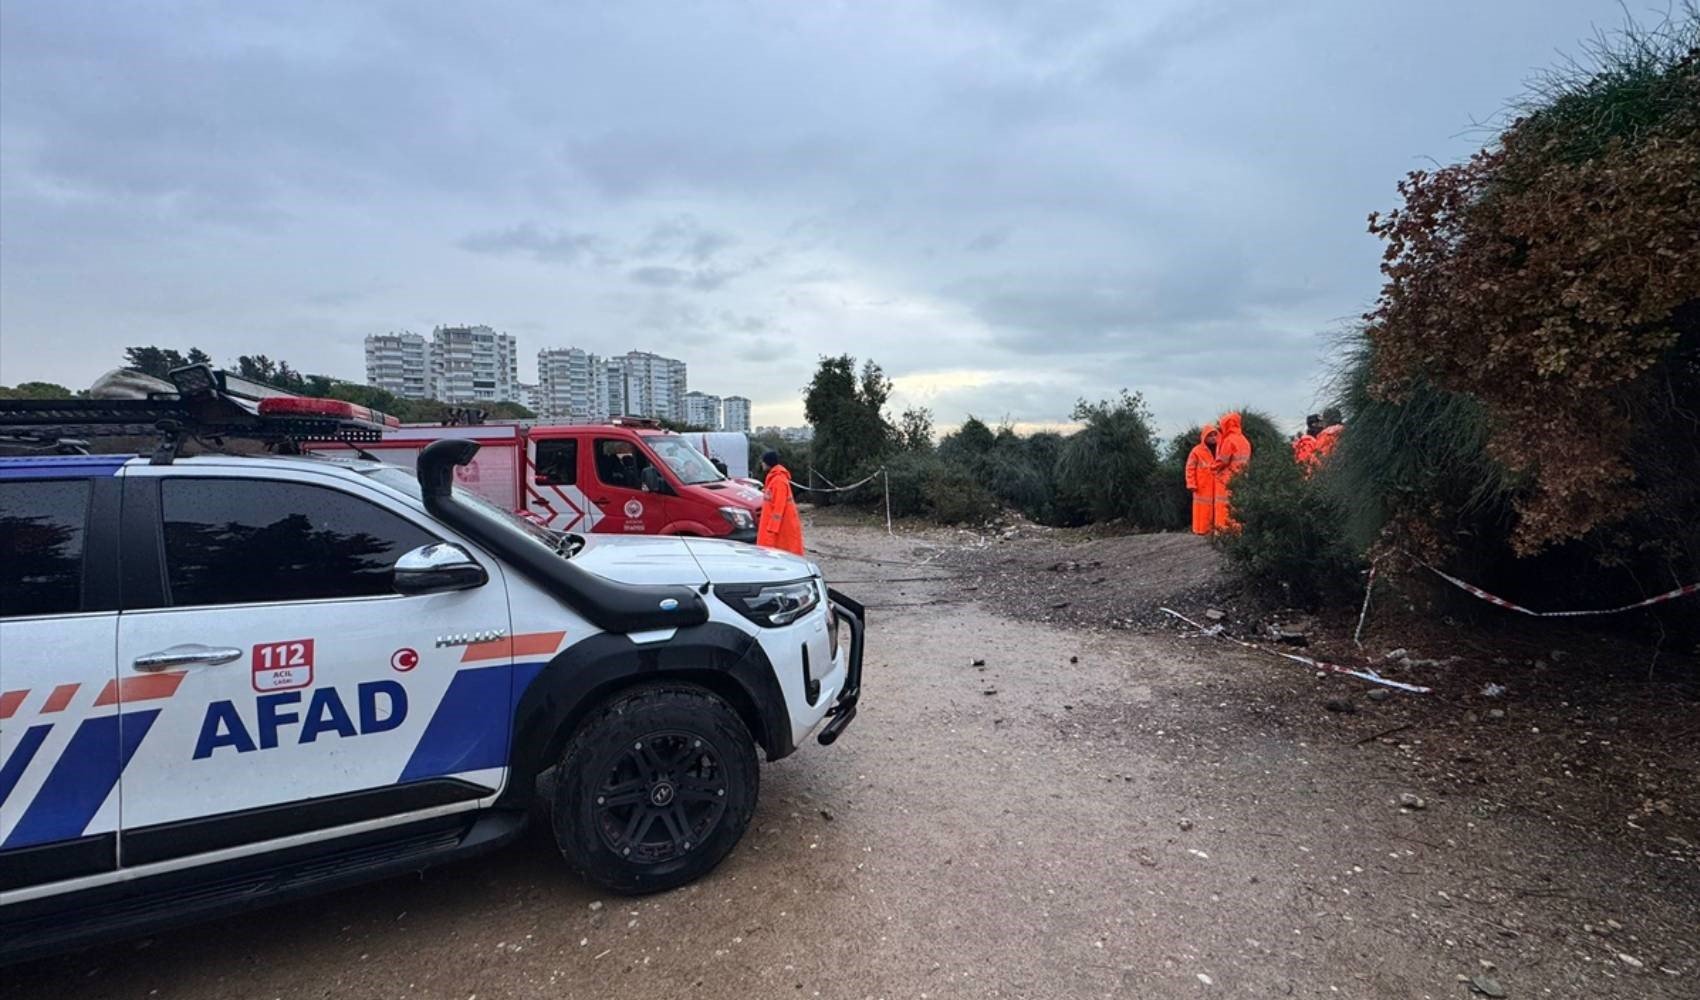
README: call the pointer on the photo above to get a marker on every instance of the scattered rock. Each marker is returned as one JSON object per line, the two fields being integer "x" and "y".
{"x": 1408, "y": 800}
{"x": 1379, "y": 694}
{"x": 1487, "y": 986}
{"x": 1074, "y": 659}
{"x": 1496, "y": 713}
{"x": 1471, "y": 718}
{"x": 1186, "y": 824}
{"x": 1340, "y": 705}
{"x": 1493, "y": 690}
{"x": 1631, "y": 961}
{"x": 978, "y": 663}
{"x": 990, "y": 691}
{"x": 595, "y": 905}
{"x": 1215, "y": 614}
{"x": 826, "y": 814}
{"x": 1206, "y": 980}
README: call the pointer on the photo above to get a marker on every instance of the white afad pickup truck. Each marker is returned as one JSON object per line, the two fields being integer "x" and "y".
{"x": 230, "y": 679}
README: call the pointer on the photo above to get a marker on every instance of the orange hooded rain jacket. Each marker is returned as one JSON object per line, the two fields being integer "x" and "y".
{"x": 1201, "y": 481}
{"x": 781, "y": 527}
{"x": 1233, "y": 452}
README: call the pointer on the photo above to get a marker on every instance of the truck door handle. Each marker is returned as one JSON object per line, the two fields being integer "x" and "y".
{"x": 187, "y": 656}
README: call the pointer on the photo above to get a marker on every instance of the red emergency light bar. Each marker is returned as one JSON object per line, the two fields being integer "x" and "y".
{"x": 327, "y": 409}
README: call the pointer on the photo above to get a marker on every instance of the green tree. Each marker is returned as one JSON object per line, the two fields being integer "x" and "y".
{"x": 36, "y": 390}
{"x": 847, "y": 413}
{"x": 155, "y": 361}
{"x": 969, "y": 442}
{"x": 507, "y": 409}
{"x": 1109, "y": 463}
{"x": 915, "y": 429}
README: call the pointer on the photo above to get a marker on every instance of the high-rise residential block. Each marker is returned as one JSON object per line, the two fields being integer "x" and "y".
{"x": 399, "y": 363}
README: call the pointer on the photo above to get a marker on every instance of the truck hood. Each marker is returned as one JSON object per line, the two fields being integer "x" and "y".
{"x": 651, "y": 559}
{"x": 735, "y": 562}
{"x": 640, "y": 559}
{"x": 729, "y": 493}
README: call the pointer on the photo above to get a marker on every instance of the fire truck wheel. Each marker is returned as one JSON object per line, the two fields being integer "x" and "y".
{"x": 655, "y": 788}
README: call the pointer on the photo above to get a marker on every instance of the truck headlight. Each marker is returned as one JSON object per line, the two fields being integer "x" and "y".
{"x": 738, "y": 518}
{"x": 772, "y": 604}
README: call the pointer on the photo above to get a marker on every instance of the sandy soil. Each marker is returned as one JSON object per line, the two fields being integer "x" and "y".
{"x": 1094, "y": 810}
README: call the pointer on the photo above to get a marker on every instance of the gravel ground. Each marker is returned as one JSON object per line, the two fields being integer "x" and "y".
{"x": 1093, "y": 810}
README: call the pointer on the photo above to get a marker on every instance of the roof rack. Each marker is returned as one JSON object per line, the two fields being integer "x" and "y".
{"x": 208, "y": 403}
{"x": 648, "y": 422}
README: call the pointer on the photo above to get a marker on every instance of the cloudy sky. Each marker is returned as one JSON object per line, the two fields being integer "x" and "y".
{"x": 1007, "y": 204}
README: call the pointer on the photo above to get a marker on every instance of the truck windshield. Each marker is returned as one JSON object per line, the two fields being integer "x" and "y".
{"x": 686, "y": 462}
{"x": 506, "y": 521}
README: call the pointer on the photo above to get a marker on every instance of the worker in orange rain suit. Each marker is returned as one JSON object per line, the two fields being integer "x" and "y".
{"x": 1201, "y": 480}
{"x": 1329, "y": 437}
{"x": 1304, "y": 446}
{"x": 1233, "y": 452}
{"x": 781, "y": 527}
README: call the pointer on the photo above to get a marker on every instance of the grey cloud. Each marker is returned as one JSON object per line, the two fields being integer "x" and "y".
{"x": 987, "y": 241}
{"x": 555, "y": 246}
{"x": 699, "y": 280}
{"x": 683, "y": 237}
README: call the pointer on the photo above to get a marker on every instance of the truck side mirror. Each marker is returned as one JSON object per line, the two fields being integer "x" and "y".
{"x": 438, "y": 568}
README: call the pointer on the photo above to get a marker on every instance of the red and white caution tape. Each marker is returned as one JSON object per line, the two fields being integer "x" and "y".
{"x": 1669, "y": 595}
{"x": 1333, "y": 668}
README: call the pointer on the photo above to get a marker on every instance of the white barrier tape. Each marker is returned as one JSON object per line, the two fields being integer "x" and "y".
{"x": 838, "y": 489}
{"x": 880, "y": 473}
{"x": 1474, "y": 591}
{"x": 1333, "y": 668}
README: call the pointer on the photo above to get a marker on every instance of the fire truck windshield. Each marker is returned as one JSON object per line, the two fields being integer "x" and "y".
{"x": 686, "y": 462}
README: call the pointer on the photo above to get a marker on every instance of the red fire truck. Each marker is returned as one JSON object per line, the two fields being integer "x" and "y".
{"x": 624, "y": 477}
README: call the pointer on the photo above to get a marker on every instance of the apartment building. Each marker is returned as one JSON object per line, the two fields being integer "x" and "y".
{"x": 702, "y": 410}
{"x": 573, "y": 385}
{"x": 642, "y": 384}
{"x": 399, "y": 363}
{"x": 735, "y": 414}
{"x": 473, "y": 364}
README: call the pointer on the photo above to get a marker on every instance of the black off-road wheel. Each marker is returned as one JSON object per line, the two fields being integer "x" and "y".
{"x": 654, "y": 789}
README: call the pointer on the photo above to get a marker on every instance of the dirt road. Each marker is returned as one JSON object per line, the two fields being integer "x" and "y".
{"x": 1110, "y": 814}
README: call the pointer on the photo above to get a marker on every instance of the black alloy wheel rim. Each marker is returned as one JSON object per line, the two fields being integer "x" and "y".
{"x": 663, "y": 796}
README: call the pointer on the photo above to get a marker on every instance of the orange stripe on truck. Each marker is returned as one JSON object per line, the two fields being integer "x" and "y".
{"x": 60, "y": 698}
{"x": 529, "y": 644}
{"x": 147, "y": 687}
{"x": 9, "y": 702}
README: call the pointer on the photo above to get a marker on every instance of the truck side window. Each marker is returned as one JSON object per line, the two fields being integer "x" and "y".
{"x": 242, "y": 541}
{"x": 557, "y": 462}
{"x": 41, "y": 533}
{"x": 619, "y": 463}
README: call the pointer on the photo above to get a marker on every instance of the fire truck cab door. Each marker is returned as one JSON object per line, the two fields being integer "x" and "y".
{"x": 556, "y": 470}
{"x": 628, "y": 488}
